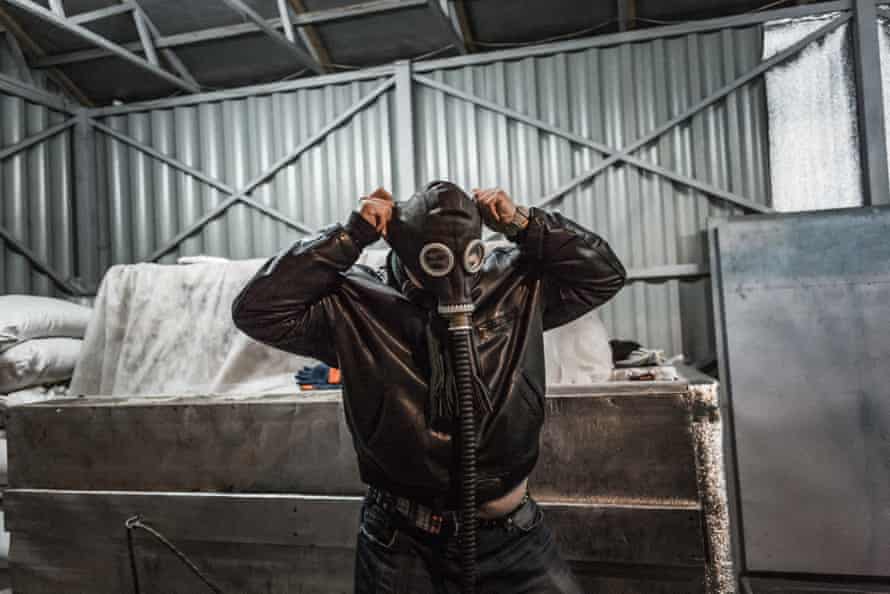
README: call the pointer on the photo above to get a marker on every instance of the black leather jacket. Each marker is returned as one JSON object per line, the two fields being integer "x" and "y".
{"x": 312, "y": 300}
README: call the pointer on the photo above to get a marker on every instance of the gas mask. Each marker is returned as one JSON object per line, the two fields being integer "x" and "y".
{"x": 436, "y": 236}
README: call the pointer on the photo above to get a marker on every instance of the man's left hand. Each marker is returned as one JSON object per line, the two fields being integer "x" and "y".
{"x": 496, "y": 207}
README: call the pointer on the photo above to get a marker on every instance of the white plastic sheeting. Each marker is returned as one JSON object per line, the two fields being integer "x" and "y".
{"x": 811, "y": 99}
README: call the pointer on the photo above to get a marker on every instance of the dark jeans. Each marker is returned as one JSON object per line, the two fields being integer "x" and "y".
{"x": 394, "y": 559}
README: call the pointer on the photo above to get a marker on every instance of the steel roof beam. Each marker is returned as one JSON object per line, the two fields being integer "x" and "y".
{"x": 89, "y": 16}
{"x": 636, "y": 35}
{"x": 238, "y": 30}
{"x": 56, "y": 7}
{"x": 311, "y": 38}
{"x": 284, "y": 15}
{"x": 98, "y": 14}
{"x": 447, "y": 26}
{"x": 466, "y": 28}
{"x": 63, "y": 23}
{"x": 35, "y": 51}
{"x": 168, "y": 54}
{"x": 303, "y": 57}
{"x": 148, "y": 47}
{"x": 627, "y": 14}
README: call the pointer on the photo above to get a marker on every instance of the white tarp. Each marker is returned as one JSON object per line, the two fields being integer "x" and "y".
{"x": 811, "y": 98}
{"x": 162, "y": 329}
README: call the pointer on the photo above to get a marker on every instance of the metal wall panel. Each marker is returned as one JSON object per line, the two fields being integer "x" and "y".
{"x": 805, "y": 303}
{"x": 615, "y": 95}
{"x": 36, "y": 188}
{"x": 148, "y": 202}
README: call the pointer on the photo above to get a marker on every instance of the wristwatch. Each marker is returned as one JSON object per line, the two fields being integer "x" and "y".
{"x": 517, "y": 223}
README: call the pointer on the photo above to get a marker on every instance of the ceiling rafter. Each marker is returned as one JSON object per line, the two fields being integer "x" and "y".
{"x": 466, "y": 26}
{"x": 117, "y": 50}
{"x": 311, "y": 37}
{"x": 302, "y": 57}
{"x": 445, "y": 23}
{"x": 36, "y": 52}
{"x": 168, "y": 53}
{"x": 342, "y": 13}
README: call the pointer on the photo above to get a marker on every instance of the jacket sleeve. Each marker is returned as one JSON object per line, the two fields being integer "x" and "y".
{"x": 283, "y": 305}
{"x": 579, "y": 270}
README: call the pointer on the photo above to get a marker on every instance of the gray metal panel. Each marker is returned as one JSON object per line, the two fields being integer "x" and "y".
{"x": 614, "y": 95}
{"x": 36, "y": 188}
{"x": 148, "y": 201}
{"x": 638, "y": 446}
{"x": 806, "y": 304}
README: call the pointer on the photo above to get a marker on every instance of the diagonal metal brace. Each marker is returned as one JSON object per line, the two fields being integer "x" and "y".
{"x": 241, "y": 195}
{"x": 197, "y": 174}
{"x": 21, "y": 145}
{"x": 68, "y": 285}
{"x": 710, "y": 99}
{"x": 691, "y": 182}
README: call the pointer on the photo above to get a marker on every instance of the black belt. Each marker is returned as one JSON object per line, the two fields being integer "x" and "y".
{"x": 438, "y": 522}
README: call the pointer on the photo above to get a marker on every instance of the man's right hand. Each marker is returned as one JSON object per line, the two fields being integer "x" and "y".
{"x": 376, "y": 208}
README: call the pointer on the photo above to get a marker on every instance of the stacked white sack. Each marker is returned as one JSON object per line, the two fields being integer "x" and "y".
{"x": 40, "y": 340}
{"x": 37, "y": 362}
{"x": 23, "y": 317}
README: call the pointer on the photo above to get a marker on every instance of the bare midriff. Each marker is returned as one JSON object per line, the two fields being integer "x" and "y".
{"x": 505, "y": 504}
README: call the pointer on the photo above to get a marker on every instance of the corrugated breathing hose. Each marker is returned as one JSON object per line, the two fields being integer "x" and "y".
{"x": 461, "y": 349}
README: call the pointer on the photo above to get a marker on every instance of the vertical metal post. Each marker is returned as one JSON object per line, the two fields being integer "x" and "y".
{"x": 870, "y": 104}
{"x": 407, "y": 180}
{"x": 86, "y": 236}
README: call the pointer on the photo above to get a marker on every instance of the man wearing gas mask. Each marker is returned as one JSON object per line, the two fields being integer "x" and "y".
{"x": 442, "y": 363}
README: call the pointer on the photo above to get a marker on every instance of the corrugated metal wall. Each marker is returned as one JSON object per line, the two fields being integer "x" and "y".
{"x": 612, "y": 95}
{"x": 36, "y": 188}
{"x": 148, "y": 202}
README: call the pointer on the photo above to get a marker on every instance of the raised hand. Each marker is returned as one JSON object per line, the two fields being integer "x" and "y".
{"x": 376, "y": 208}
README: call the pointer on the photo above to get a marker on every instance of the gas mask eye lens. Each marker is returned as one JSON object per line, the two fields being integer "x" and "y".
{"x": 436, "y": 259}
{"x": 473, "y": 256}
